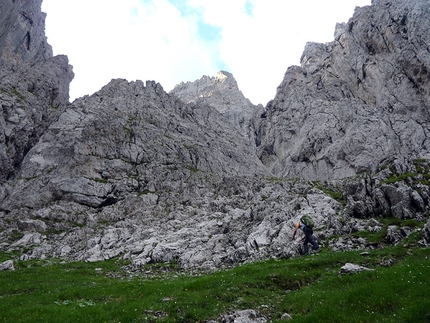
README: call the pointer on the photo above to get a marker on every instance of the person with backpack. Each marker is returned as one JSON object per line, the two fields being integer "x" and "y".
{"x": 306, "y": 224}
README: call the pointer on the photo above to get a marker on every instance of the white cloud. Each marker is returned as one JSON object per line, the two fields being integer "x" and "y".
{"x": 165, "y": 41}
{"x": 127, "y": 39}
{"x": 259, "y": 48}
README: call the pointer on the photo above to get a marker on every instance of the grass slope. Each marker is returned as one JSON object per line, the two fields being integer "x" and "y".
{"x": 309, "y": 288}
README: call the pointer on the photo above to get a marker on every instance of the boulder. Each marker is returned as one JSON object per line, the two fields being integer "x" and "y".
{"x": 426, "y": 232}
{"x": 286, "y": 317}
{"x": 350, "y": 268}
{"x": 32, "y": 225}
{"x": 243, "y": 316}
{"x": 7, "y": 265}
{"x": 396, "y": 234}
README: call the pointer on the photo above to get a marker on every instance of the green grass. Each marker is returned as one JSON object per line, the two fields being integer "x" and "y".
{"x": 380, "y": 236}
{"x": 336, "y": 195}
{"x": 399, "y": 178}
{"x": 309, "y": 288}
{"x": 16, "y": 235}
{"x": 396, "y": 294}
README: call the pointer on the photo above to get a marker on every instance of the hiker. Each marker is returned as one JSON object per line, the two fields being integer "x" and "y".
{"x": 306, "y": 225}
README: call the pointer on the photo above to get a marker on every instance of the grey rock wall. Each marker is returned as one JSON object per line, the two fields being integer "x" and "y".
{"x": 34, "y": 85}
{"x": 128, "y": 137}
{"x": 22, "y": 33}
{"x": 356, "y": 102}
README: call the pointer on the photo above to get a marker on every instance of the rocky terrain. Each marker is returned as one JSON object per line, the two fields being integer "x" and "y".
{"x": 222, "y": 93}
{"x": 202, "y": 177}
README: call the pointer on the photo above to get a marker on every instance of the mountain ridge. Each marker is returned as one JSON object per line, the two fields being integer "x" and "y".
{"x": 200, "y": 175}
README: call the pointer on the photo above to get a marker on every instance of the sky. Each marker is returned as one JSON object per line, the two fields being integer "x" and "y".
{"x": 174, "y": 41}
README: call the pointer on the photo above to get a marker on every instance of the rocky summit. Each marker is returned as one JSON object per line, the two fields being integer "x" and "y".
{"x": 222, "y": 92}
{"x": 200, "y": 175}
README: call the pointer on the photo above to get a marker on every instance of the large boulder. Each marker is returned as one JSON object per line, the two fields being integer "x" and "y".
{"x": 7, "y": 265}
{"x": 426, "y": 232}
{"x": 350, "y": 268}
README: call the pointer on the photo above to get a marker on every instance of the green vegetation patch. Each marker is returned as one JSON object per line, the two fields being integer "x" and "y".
{"x": 193, "y": 169}
{"x": 13, "y": 91}
{"x": 388, "y": 294}
{"x": 399, "y": 178}
{"x": 380, "y": 236}
{"x": 16, "y": 235}
{"x": 309, "y": 288}
{"x": 336, "y": 195}
{"x": 99, "y": 180}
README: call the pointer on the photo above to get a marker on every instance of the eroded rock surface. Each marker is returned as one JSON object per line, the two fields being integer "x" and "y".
{"x": 222, "y": 93}
{"x": 356, "y": 102}
{"x": 34, "y": 85}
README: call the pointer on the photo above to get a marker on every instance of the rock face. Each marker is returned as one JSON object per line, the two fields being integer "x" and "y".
{"x": 34, "y": 85}
{"x": 128, "y": 138}
{"x": 222, "y": 93}
{"x": 22, "y": 36}
{"x": 133, "y": 171}
{"x": 356, "y": 102}
{"x": 201, "y": 176}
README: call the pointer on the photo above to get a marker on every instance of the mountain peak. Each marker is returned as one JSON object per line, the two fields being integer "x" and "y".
{"x": 223, "y": 76}
{"x": 222, "y": 93}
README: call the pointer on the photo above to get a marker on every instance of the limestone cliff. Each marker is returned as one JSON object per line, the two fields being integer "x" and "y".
{"x": 356, "y": 102}
{"x": 128, "y": 138}
{"x": 22, "y": 36}
{"x": 34, "y": 85}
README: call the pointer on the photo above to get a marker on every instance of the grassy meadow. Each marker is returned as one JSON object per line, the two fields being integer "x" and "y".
{"x": 309, "y": 288}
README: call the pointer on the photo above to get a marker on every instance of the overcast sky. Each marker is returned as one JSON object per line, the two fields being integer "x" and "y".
{"x": 171, "y": 41}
